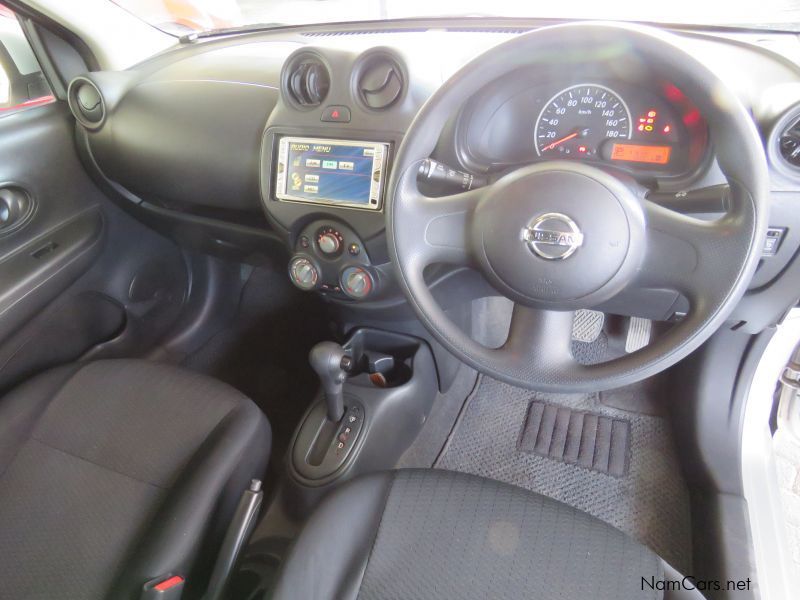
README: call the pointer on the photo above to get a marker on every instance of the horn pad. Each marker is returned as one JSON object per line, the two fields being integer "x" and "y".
{"x": 559, "y": 235}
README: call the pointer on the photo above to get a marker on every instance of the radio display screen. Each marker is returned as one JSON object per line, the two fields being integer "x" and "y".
{"x": 326, "y": 171}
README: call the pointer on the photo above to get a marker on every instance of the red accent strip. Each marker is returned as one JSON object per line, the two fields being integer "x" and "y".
{"x": 29, "y": 103}
{"x": 169, "y": 583}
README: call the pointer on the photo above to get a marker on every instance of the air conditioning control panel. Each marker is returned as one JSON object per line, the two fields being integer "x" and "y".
{"x": 331, "y": 259}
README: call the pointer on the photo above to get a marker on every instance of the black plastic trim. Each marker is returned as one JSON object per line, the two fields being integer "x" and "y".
{"x": 38, "y": 270}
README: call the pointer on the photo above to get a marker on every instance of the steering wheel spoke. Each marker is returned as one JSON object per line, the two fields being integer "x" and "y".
{"x": 685, "y": 253}
{"x": 442, "y": 223}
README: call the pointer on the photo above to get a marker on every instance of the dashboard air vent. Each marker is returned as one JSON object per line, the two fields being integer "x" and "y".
{"x": 789, "y": 143}
{"x": 380, "y": 81}
{"x": 86, "y": 103}
{"x": 308, "y": 81}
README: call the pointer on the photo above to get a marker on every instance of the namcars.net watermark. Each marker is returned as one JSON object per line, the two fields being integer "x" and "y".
{"x": 692, "y": 583}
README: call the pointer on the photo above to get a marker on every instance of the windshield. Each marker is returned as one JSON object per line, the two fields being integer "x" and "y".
{"x": 179, "y": 17}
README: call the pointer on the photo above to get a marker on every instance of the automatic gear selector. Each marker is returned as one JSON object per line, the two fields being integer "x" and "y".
{"x": 331, "y": 364}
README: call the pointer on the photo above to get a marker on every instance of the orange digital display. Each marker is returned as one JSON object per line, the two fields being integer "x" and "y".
{"x": 636, "y": 153}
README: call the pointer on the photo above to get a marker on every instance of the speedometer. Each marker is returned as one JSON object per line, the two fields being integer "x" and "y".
{"x": 577, "y": 121}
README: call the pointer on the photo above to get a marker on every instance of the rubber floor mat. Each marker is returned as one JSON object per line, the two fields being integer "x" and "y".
{"x": 649, "y": 502}
{"x": 592, "y": 441}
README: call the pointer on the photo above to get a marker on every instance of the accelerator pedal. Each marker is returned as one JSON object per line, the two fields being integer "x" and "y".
{"x": 639, "y": 331}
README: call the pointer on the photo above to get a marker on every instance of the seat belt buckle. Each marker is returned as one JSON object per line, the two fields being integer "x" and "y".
{"x": 166, "y": 587}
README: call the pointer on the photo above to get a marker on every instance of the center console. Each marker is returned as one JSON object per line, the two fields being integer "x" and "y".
{"x": 331, "y": 258}
{"x": 328, "y": 194}
{"x": 326, "y": 155}
{"x": 377, "y": 391}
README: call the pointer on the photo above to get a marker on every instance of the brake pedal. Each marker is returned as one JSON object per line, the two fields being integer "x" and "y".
{"x": 639, "y": 331}
{"x": 587, "y": 325}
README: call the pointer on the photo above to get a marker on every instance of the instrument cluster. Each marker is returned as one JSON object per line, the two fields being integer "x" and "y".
{"x": 646, "y": 127}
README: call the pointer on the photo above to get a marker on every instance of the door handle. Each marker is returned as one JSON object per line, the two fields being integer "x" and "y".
{"x": 16, "y": 208}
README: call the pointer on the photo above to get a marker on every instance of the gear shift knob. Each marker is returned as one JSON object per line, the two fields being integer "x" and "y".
{"x": 329, "y": 361}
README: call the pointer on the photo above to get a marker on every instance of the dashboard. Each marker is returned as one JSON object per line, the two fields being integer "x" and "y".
{"x": 283, "y": 142}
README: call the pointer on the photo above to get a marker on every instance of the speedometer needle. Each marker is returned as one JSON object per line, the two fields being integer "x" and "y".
{"x": 561, "y": 141}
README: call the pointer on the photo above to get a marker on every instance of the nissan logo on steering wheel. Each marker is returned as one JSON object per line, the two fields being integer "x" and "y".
{"x": 553, "y": 236}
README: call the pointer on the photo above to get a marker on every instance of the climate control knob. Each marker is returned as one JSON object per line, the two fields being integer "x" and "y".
{"x": 329, "y": 243}
{"x": 357, "y": 282}
{"x": 303, "y": 273}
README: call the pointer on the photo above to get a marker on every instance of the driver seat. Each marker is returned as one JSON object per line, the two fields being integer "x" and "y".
{"x": 440, "y": 534}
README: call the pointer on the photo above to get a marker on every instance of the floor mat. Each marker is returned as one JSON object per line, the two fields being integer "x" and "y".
{"x": 264, "y": 352}
{"x": 651, "y": 502}
{"x": 592, "y": 441}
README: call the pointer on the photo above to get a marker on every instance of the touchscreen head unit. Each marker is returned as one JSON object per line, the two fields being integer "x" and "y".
{"x": 336, "y": 172}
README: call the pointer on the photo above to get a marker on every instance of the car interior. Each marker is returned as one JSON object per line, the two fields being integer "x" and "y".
{"x": 427, "y": 307}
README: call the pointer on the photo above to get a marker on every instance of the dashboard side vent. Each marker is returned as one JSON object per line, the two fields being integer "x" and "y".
{"x": 789, "y": 143}
{"x": 307, "y": 81}
{"x": 86, "y": 102}
{"x": 380, "y": 81}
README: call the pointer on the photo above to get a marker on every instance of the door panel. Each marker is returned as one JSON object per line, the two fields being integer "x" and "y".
{"x": 63, "y": 234}
{"x": 79, "y": 276}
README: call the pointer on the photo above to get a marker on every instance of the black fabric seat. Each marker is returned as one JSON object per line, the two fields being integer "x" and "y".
{"x": 430, "y": 534}
{"x": 117, "y": 472}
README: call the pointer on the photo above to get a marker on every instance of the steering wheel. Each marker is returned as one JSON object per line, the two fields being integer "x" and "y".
{"x": 559, "y": 236}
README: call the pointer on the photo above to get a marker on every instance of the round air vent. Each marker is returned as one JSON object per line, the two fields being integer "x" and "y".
{"x": 86, "y": 103}
{"x": 789, "y": 143}
{"x": 307, "y": 81}
{"x": 379, "y": 81}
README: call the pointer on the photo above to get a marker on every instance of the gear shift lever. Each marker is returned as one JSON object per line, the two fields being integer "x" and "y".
{"x": 329, "y": 361}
